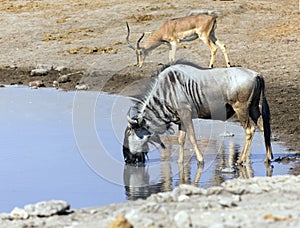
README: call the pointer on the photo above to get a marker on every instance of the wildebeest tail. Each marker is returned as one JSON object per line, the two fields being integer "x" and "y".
{"x": 266, "y": 116}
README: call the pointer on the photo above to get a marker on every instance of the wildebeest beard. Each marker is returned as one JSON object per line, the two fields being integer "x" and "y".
{"x": 133, "y": 157}
{"x": 129, "y": 156}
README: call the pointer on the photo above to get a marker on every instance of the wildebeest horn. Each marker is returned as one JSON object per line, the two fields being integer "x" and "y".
{"x": 139, "y": 40}
{"x": 131, "y": 121}
{"x": 127, "y": 37}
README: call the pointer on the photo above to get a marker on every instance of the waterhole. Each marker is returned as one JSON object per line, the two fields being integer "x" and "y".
{"x": 68, "y": 146}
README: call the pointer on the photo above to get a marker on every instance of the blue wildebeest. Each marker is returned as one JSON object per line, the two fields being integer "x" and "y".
{"x": 184, "y": 91}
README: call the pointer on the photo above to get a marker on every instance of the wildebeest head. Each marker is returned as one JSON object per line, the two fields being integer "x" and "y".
{"x": 136, "y": 139}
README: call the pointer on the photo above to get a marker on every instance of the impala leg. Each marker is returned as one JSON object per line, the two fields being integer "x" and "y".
{"x": 223, "y": 48}
{"x": 217, "y": 42}
{"x": 213, "y": 51}
{"x": 181, "y": 141}
{"x": 172, "y": 51}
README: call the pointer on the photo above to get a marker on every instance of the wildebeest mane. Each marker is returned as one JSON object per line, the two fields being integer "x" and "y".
{"x": 154, "y": 80}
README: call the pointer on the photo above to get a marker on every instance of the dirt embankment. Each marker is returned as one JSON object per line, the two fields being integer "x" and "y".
{"x": 88, "y": 37}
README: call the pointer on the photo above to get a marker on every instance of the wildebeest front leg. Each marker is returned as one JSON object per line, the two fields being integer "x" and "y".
{"x": 186, "y": 121}
{"x": 181, "y": 141}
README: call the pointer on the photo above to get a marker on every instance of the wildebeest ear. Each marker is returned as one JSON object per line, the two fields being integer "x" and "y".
{"x": 132, "y": 122}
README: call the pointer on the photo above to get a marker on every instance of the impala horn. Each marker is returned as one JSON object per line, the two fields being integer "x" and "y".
{"x": 139, "y": 40}
{"x": 127, "y": 37}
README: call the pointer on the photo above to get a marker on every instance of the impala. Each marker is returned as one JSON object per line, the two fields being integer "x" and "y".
{"x": 174, "y": 31}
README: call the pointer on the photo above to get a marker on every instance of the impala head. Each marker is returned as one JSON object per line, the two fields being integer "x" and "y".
{"x": 139, "y": 51}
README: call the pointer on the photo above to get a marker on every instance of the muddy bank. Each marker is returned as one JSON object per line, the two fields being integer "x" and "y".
{"x": 268, "y": 202}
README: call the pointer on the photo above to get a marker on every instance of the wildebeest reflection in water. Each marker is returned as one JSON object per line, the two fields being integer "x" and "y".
{"x": 137, "y": 178}
{"x": 136, "y": 182}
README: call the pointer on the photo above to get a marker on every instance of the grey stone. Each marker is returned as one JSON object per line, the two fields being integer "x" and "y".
{"x": 47, "y": 208}
{"x": 39, "y": 72}
{"x": 63, "y": 78}
{"x": 150, "y": 207}
{"x": 188, "y": 190}
{"x": 163, "y": 197}
{"x": 47, "y": 67}
{"x": 61, "y": 68}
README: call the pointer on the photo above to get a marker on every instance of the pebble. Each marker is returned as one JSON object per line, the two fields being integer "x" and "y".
{"x": 227, "y": 170}
{"x": 55, "y": 84}
{"x": 82, "y": 87}
{"x": 36, "y": 83}
{"x": 227, "y": 134}
{"x": 61, "y": 68}
{"x": 63, "y": 79}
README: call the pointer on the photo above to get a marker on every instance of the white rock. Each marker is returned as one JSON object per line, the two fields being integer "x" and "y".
{"x": 182, "y": 219}
{"x": 227, "y": 170}
{"x": 82, "y": 87}
{"x": 18, "y": 213}
{"x": 182, "y": 198}
{"x": 227, "y": 134}
{"x": 39, "y": 72}
{"x": 36, "y": 83}
{"x": 47, "y": 208}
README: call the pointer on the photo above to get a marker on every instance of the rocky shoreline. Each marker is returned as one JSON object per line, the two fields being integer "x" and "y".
{"x": 259, "y": 201}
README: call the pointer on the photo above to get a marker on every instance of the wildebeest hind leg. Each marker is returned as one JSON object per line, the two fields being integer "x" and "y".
{"x": 249, "y": 128}
{"x": 257, "y": 118}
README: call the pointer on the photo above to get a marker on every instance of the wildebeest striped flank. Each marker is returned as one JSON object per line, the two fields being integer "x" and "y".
{"x": 184, "y": 91}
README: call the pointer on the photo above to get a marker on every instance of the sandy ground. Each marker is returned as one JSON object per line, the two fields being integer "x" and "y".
{"x": 88, "y": 38}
